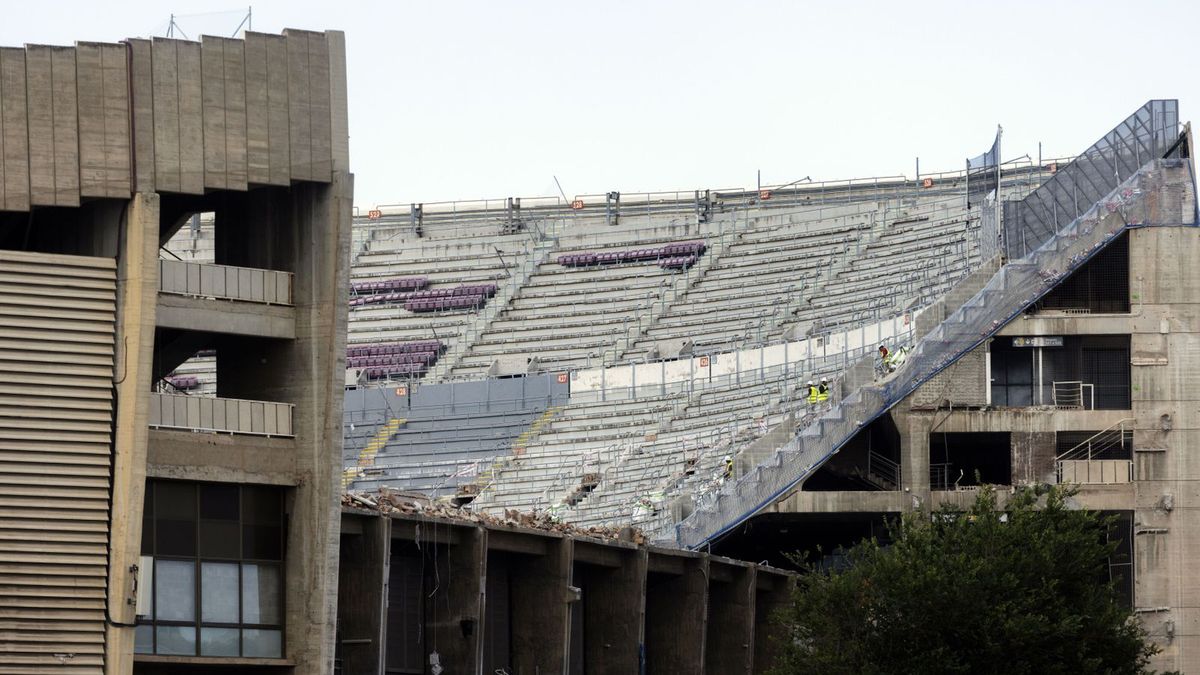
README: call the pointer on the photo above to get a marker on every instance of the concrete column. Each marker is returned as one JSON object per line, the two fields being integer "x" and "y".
{"x": 914, "y": 456}
{"x": 729, "y": 647}
{"x": 362, "y": 595}
{"x": 540, "y": 610}
{"x": 676, "y": 613}
{"x": 614, "y": 606}
{"x": 137, "y": 295}
{"x": 309, "y": 372}
{"x": 772, "y": 593}
{"x": 454, "y": 614}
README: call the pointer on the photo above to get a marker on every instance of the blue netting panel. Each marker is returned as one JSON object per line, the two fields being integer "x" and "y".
{"x": 1014, "y": 288}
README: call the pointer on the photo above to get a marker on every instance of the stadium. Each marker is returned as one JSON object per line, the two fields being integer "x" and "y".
{"x": 247, "y": 429}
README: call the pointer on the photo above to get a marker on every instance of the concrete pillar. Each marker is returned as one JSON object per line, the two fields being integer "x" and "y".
{"x": 362, "y": 595}
{"x": 454, "y": 612}
{"x": 729, "y": 647}
{"x": 676, "y": 612}
{"x": 772, "y": 593}
{"x": 137, "y": 297}
{"x": 914, "y": 456}
{"x": 614, "y": 597}
{"x": 310, "y": 374}
{"x": 540, "y": 610}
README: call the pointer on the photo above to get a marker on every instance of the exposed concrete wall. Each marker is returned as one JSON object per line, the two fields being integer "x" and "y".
{"x": 362, "y": 596}
{"x": 676, "y": 613}
{"x": 729, "y": 643}
{"x": 457, "y": 606}
{"x": 540, "y": 609}
{"x": 105, "y": 120}
{"x": 613, "y": 583}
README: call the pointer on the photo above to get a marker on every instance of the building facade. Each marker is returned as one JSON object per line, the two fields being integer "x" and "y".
{"x": 151, "y": 530}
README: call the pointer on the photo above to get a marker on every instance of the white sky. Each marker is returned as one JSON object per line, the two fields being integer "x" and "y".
{"x": 463, "y": 100}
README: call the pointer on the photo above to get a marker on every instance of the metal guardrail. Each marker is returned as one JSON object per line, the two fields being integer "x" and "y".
{"x": 220, "y": 415}
{"x": 226, "y": 282}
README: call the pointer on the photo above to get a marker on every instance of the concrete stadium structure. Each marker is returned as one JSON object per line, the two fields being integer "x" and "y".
{"x": 187, "y": 305}
{"x": 147, "y": 531}
{"x": 1063, "y": 355}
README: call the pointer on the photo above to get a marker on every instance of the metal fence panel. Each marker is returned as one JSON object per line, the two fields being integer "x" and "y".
{"x": 1145, "y": 135}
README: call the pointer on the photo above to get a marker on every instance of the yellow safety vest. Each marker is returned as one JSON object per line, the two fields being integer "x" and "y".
{"x": 812, "y": 394}
{"x": 822, "y": 393}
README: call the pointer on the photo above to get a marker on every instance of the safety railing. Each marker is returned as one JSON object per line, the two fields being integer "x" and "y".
{"x": 225, "y": 282}
{"x": 1089, "y": 462}
{"x": 883, "y": 467}
{"x": 466, "y": 217}
{"x": 1074, "y": 394}
{"x": 220, "y": 415}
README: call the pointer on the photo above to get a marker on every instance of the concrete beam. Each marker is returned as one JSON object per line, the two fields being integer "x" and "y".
{"x": 185, "y": 455}
{"x": 729, "y": 647}
{"x": 676, "y": 614}
{"x": 362, "y": 595}
{"x": 226, "y": 316}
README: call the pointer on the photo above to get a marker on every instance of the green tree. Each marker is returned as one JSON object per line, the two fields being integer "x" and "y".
{"x": 1023, "y": 590}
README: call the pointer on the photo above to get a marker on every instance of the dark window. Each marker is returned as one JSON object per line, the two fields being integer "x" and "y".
{"x": 1087, "y": 371}
{"x": 967, "y": 459}
{"x": 1012, "y": 374}
{"x": 1107, "y": 369}
{"x": 213, "y": 555}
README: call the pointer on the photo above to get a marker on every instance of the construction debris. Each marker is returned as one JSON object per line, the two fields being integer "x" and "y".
{"x": 388, "y": 501}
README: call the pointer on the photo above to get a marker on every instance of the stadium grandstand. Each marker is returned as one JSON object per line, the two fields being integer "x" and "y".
{"x": 654, "y": 359}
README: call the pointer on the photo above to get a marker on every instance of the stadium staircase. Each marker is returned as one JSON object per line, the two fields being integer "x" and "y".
{"x": 366, "y": 456}
{"x": 678, "y": 289}
{"x": 1136, "y": 202}
{"x": 545, "y": 245}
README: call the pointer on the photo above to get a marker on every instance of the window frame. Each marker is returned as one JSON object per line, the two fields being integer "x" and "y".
{"x": 197, "y": 624}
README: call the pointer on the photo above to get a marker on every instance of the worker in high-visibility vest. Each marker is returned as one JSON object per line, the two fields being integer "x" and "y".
{"x": 813, "y": 393}
{"x": 823, "y": 391}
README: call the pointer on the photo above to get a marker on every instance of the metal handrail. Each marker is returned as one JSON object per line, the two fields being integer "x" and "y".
{"x": 1118, "y": 426}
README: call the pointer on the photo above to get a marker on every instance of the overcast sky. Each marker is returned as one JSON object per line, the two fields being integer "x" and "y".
{"x": 463, "y": 100}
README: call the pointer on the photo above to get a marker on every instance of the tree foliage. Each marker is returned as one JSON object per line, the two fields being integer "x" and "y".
{"x": 1023, "y": 590}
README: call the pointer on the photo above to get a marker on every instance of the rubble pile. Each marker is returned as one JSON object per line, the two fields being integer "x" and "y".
{"x": 391, "y": 501}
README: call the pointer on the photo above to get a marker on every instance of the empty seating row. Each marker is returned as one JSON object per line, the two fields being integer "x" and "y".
{"x": 183, "y": 382}
{"x": 424, "y": 358}
{"x": 395, "y": 348}
{"x": 669, "y": 252}
{"x": 384, "y": 285}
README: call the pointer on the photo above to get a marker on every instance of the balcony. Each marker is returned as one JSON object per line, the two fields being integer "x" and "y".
{"x": 221, "y": 415}
{"x": 225, "y": 282}
{"x": 1095, "y": 471}
{"x": 225, "y": 299}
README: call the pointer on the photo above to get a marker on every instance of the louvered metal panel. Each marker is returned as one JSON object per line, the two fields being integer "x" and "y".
{"x": 57, "y": 319}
